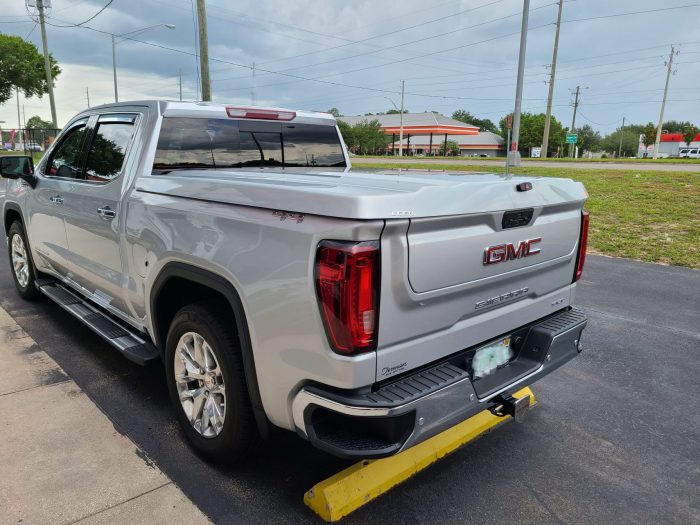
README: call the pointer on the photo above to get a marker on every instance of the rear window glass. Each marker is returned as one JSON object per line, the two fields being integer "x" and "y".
{"x": 190, "y": 143}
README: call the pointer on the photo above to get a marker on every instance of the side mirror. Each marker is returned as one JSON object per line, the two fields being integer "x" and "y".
{"x": 18, "y": 167}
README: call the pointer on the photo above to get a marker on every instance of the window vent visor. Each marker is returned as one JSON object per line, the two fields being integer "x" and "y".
{"x": 347, "y": 288}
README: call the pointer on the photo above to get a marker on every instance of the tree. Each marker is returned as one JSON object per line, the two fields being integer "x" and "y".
{"x": 365, "y": 137}
{"x": 588, "y": 139}
{"x": 689, "y": 133}
{"x": 648, "y": 135}
{"x": 630, "y": 140}
{"x": 452, "y": 148}
{"x": 483, "y": 124}
{"x": 395, "y": 112}
{"x": 334, "y": 112}
{"x": 36, "y": 122}
{"x": 532, "y": 129}
{"x": 22, "y": 67}
{"x": 675, "y": 126}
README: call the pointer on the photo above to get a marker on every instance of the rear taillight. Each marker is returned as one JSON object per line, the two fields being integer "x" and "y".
{"x": 582, "y": 244}
{"x": 347, "y": 287}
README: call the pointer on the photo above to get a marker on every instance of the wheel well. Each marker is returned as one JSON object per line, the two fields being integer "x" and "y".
{"x": 10, "y": 217}
{"x": 178, "y": 292}
{"x": 180, "y": 284}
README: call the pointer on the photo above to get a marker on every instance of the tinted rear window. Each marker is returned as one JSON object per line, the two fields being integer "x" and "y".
{"x": 224, "y": 144}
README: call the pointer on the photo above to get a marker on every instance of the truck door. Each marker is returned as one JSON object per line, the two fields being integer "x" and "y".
{"x": 45, "y": 205}
{"x": 93, "y": 213}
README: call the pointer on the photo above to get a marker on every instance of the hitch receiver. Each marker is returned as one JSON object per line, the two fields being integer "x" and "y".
{"x": 507, "y": 405}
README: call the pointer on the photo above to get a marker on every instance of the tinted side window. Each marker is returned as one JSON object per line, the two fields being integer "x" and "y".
{"x": 66, "y": 160}
{"x": 306, "y": 145}
{"x": 108, "y": 150}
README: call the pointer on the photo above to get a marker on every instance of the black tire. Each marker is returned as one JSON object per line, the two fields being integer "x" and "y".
{"x": 239, "y": 436}
{"x": 26, "y": 285}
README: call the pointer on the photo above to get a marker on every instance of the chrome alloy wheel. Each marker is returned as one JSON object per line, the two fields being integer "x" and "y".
{"x": 20, "y": 263}
{"x": 200, "y": 384}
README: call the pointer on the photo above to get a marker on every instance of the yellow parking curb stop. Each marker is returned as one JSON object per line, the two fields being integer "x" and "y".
{"x": 348, "y": 490}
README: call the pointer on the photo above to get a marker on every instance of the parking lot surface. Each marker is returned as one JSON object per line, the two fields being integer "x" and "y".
{"x": 615, "y": 436}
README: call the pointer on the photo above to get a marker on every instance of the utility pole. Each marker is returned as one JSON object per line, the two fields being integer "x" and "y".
{"x": 19, "y": 119}
{"x": 47, "y": 61}
{"x": 548, "y": 118}
{"x": 87, "y": 94}
{"x": 203, "y": 50}
{"x": 513, "y": 153}
{"x": 663, "y": 103}
{"x": 401, "y": 127}
{"x": 573, "y": 120}
{"x": 622, "y": 132}
{"x": 179, "y": 72}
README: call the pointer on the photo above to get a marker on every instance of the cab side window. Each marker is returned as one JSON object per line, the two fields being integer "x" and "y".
{"x": 108, "y": 151}
{"x": 66, "y": 160}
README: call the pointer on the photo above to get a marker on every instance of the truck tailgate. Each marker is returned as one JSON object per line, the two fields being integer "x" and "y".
{"x": 450, "y": 283}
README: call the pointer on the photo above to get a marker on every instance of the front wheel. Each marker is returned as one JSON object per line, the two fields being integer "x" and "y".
{"x": 23, "y": 271}
{"x": 206, "y": 382}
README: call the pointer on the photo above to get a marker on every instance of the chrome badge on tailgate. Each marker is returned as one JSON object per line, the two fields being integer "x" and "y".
{"x": 501, "y": 298}
{"x": 510, "y": 251}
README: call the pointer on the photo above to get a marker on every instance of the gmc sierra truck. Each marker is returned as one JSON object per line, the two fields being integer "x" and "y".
{"x": 366, "y": 312}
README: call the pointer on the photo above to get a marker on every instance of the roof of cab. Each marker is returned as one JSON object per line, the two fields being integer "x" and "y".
{"x": 176, "y": 108}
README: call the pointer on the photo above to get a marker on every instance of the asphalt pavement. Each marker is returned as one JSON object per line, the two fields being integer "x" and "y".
{"x": 587, "y": 165}
{"x": 615, "y": 437}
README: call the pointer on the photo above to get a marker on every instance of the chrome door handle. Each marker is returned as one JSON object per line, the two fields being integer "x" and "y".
{"x": 106, "y": 212}
{"x": 57, "y": 200}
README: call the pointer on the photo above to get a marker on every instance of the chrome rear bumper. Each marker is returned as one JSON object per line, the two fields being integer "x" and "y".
{"x": 418, "y": 406}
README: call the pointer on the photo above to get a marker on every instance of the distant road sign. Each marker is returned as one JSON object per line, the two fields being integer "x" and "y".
{"x": 571, "y": 138}
{"x": 536, "y": 153}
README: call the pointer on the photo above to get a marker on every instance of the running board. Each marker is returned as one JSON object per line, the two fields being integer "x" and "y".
{"x": 131, "y": 345}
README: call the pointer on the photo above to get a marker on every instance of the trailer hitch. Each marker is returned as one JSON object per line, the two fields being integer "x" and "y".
{"x": 507, "y": 405}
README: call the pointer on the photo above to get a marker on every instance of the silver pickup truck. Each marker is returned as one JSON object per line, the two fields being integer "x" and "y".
{"x": 366, "y": 312}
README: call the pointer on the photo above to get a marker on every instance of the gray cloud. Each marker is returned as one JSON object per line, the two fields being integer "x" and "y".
{"x": 480, "y": 68}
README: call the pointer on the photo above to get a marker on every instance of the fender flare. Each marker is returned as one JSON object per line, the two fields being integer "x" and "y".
{"x": 225, "y": 288}
{"x": 14, "y": 207}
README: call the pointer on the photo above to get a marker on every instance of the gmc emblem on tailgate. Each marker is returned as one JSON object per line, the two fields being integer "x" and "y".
{"x": 508, "y": 252}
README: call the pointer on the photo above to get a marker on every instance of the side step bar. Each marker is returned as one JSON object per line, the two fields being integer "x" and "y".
{"x": 123, "y": 338}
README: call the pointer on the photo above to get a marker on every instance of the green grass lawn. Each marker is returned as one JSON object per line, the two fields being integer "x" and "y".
{"x": 384, "y": 158}
{"x": 648, "y": 215}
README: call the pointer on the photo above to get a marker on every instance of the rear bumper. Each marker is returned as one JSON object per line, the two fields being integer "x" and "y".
{"x": 415, "y": 407}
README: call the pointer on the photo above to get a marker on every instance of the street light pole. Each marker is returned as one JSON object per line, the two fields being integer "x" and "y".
{"x": 114, "y": 67}
{"x": 513, "y": 153}
{"x": 114, "y": 51}
{"x": 401, "y": 126}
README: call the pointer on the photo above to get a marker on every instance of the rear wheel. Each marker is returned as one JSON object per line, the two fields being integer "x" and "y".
{"x": 21, "y": 263}
{"x": 206, "y": 382}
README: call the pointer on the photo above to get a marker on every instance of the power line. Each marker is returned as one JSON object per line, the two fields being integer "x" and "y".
{"x": 630, "y": 13}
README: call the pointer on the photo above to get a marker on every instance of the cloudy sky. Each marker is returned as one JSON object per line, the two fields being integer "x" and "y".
{"x": 318, "y": 54}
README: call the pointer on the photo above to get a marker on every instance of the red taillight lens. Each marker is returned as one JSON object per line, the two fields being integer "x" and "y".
{"x": 582, "y": 245}
{"x": 347, "y": 286}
